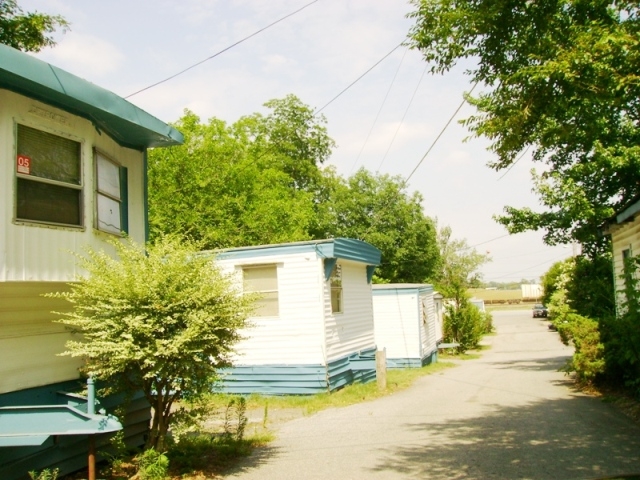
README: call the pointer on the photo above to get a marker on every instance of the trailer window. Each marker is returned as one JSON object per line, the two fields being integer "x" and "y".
{"x": 49, "y": 179}
{"x": 263, "y": 279}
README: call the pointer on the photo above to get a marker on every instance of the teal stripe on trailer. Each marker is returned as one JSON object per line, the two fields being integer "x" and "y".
{"x": 428, "y": 359}
{"x": 68, "y": 453}
{"x": 358, "y": 367}
{"x": 275, "y": 379}
{"x": 344, "y": 248}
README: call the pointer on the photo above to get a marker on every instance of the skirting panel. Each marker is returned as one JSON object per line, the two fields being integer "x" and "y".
{"x": 413, "y": 362}
{"x": 300, "y": 379}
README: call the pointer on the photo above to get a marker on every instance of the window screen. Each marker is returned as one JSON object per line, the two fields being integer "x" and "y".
{"x": 336, "y": 289}
{"x": 110, "y": 202}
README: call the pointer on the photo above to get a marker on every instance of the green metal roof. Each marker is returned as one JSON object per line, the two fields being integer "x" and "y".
{"x": 127, "y": 124}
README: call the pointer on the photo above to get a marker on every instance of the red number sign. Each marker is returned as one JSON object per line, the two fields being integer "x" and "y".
{"x": 24, "y": 164}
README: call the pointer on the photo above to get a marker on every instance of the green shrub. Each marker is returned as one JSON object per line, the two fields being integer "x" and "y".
{"x": 465, "y": 325}
{"x": 45, "y": 474}
{"x": 152, "y": 465}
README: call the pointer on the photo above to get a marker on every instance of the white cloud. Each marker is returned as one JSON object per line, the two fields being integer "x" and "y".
{"x": 85, "y": 55}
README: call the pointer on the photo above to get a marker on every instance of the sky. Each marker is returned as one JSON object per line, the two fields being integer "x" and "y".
{"x": 386, "y": 122}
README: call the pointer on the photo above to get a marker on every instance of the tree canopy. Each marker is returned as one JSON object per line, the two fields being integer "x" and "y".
{"x": 30, "y": 31}
{"x": 379, "y": 210}
{"x": 560, "y": 78}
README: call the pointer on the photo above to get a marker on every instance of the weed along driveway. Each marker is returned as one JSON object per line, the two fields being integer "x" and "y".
{"x": 506, "y": 415}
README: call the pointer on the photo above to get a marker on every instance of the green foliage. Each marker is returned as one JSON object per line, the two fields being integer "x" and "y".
{"x": 458, "y": 267}
{"x": 588, "y": 360}
{"x": 465, "y": 325}
{"x": 152, "y": 465}
{"x": 27, "y": 31}
{"x": 45, "y": 474}
{"x": 161, "y": 319}
{"x": 561, "y": 80}
{"x": 378, "y": 209}
{"x": 250, "y": 183}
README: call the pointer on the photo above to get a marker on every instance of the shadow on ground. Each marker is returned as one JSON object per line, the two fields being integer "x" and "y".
{"x": 576, "y": 438}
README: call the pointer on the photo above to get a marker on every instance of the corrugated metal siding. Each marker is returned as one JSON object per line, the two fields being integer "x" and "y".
{"x": 359, "y": 367}
{"x": 350, "y": 331}
{"x": 29, "y": 340}
{"x": 295, "y": 336}
{"x": 397, "y": 325}
{"x": 68, "y": 453}
{"x": 623, "y": 237}
{"x": 38, "y": 252}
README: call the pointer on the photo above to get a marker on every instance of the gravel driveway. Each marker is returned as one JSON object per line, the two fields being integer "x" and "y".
{"x": 507, "y": 415}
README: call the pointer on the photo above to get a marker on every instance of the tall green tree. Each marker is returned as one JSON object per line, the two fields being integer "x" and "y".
{"x": 27, "y": 31}
{"x": 458, "y": 267}
{"x": 378, "y": 209}
{"x": 237, "y": 185}
{"x": 158, "y": 319}
{"x": 560, "y": 78}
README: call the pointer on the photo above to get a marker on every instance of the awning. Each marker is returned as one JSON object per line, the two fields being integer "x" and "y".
{"x": 127, "y": 124}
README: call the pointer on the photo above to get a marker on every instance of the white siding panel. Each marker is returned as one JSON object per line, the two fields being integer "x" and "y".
{"x": 397, "y": 325}
{"x": 32, "y": 252}
{"x": 352, "y": 330}
{"x": 29, "y": 340}
{"x": 295, "y": 336}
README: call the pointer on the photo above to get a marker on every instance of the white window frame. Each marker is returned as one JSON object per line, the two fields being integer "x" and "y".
{"x": 261, "y": 303}
{"x": 112, "y": 194}
{"x": 36, "y": 179}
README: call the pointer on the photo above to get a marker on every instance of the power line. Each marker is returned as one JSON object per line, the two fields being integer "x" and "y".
{"x": 375, "y": 120}
{"x": 403, "y": 117}
{"x": 440, "y": 134}
{"x": 514, "y": 163}
{"x": 223, "y": 50}
{"x": 359, "y": 78}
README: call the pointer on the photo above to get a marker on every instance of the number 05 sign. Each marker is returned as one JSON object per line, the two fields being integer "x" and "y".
{"x": 24, "y": 164}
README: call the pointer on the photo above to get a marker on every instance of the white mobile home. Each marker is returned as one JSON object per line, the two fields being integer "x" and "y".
{"x": 313, "y": 327}
{"x": 73, "y": 157}
{"x": 405, "y": 323}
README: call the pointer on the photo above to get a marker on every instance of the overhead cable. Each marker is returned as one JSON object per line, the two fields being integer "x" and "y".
{"x": 358, "y": 79}
{"x": 440, "y": 134}
{"x": 223, "y": 50}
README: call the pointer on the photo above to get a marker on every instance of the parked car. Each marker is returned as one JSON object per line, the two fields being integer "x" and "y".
{"x": 540, "y": 310}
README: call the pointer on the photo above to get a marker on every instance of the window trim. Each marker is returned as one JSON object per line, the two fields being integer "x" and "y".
{"x": 34, "y": 178}
{"x": 122, "y": 201}
{"x": 242, "y": 269}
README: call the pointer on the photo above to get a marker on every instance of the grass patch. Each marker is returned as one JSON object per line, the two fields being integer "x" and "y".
{"x": 397, "y": 379}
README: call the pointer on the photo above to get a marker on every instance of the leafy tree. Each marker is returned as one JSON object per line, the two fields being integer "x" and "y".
{"x": 221, "y": 188}
{"x": 458, "y": 268}
{"x": 27, "y": 31}
{"x": 561, "y": 78}
{"x": 162, "y": 320}
{"x": 551, "y": 279}
{"x": 377, "y": 209}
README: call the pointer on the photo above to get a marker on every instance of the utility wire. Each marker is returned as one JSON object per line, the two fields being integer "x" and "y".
{"x": 375, "y": 120}
{"x": 514, "y": 163}
{"x": 440, "y": 134}
{"x": 223, "y": 50}
{"x": 402, "y": 120}
{"x": 358, "y": 79}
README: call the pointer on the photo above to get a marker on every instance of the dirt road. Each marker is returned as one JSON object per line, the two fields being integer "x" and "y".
{"x": 508, "y": 415}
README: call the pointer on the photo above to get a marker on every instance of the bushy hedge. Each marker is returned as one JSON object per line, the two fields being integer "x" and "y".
{"x": 466, "y": 325}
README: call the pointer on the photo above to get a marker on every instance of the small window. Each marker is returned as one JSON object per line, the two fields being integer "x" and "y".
{"x": 336, "y": 289}
{"x": 48, "y": 171}
{"x": 263, "y": 279}
{"x": 111, "y": 188}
